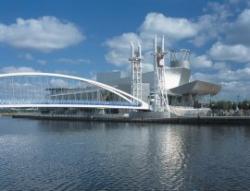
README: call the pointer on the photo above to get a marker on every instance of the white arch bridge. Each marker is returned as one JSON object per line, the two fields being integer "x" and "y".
{"x": 48, "y": 90}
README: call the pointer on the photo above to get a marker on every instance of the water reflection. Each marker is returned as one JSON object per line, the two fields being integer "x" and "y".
{"x": 61, "y": 155}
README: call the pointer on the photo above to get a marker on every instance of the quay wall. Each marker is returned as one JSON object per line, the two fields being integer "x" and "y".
{"x": 146, "y": 118}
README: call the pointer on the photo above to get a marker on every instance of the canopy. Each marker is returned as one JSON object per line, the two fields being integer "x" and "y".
{"x": 196, "y": 88}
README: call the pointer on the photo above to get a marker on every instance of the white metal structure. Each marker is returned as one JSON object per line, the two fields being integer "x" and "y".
{"x": 32, "y": 89}
{"x": 180, "y": 59}
{"x": 160, "y": 94}
{"x": 136, "y": 71}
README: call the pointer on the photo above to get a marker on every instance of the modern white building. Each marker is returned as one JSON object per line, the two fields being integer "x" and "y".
{"x": 178, "y": 87}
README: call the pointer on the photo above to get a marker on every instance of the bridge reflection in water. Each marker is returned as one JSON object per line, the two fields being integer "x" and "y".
{"x": 25, "y": 90}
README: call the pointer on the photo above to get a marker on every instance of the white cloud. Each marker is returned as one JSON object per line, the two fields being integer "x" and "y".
{"x": 226, "y": 75}
{"x": 42, "y": 62}
{"x": 201, "y": 61}
{"x": 220, "y": 66}
{"x": 233, "y": 82}
{"x": 234, "y": 1}
{"x": 13, "y": 69}
{"x": 238, "y": 32}
{"x": 229, "y": 90}
{"x": 28, "y": 56}
{"x": 209, "y": 27}
{"x": 218, "y": 21}
{"x": 43, "y": 34}
{"x": 173, "y": 28}
{"x": 119, "y": 48}
{"x": 221, "y": 10}
{"x": 59, "y": 83}
{"x": 67, "y": 72}
{"x": 198, "y": 31}
{"x": 147, "y": 67}
{"x": 117, "y": 57}
{"x": 73, "y": 61}
{"x": 224, "y": 25}
{"x": 214, "y": 22}
{"x": 236, "y": 53}
{"x": 122, "y": 41}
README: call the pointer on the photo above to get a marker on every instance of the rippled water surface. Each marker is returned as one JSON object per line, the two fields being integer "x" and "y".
{"x": 56, "y": 155}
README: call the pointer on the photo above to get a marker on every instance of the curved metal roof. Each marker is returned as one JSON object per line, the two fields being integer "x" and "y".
{"x": 196, "y": 88}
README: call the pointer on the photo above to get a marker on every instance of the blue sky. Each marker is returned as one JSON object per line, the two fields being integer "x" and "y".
{"x": 84, "y": 37}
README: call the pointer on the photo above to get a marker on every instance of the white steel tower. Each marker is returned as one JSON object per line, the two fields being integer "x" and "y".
{"x": 160, "y": 93}
{"x": 136, "y": 71}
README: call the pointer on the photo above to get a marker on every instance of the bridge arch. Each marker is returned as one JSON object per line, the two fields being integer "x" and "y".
{"x": 34, "y": 89}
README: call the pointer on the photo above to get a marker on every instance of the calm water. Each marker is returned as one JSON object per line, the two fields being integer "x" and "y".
{"x": 50, "y": 155}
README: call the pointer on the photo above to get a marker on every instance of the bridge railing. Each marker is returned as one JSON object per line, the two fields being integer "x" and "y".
{"x": 31, "y": 89}
{"x": 67, "y": 102}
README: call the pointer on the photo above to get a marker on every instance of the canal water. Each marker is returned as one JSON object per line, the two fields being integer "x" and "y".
{"x": 61, "y": 155}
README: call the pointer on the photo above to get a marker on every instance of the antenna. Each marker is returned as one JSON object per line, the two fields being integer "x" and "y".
{"x": 132, "y": 49}
{"x": 139, "y": 49}
{"x": 155, "y": 43}
{"x": 162, "y": 43}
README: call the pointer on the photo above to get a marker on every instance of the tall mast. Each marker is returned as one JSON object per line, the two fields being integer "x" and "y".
{"x": 160, "y": 99}
{"x": 136, "y": 70}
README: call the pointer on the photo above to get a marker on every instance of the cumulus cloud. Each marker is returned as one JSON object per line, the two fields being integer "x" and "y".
{"x": 221, "y": 66}
{"x": 218, "y": 22}
{"x": 209, "y": 27}
{"x": 73, "y": 61}
{"x": 238, "y": 31}
{"x": 13, "y": 69}
{"x": 221, "y": 33}
{"x": 59, "y": 83}
{"x": 236, "y": 53}
{"x": 225, "y": 75}
{"x": 29, "y": 57}
{"x": 44, "y": 34}
{"x": 221, "y": 10}
{"x": 147, "y": 67}
{"x": 117, "y": 57}
{"x": 176, "y": 29}
{"x": 119, "y": 48}
{"x": 201, "y": 61}
{"x": 173, "y": 28}
{"x": 122, "y": 41}
{"x": 42, "y": 62}
{"x": 26, "y": 56}
{"x": 230, "y": 80}
{"x": 230, "y": 87}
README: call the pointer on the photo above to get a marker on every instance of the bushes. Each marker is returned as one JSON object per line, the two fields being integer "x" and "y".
{"x": 229, "y": 105}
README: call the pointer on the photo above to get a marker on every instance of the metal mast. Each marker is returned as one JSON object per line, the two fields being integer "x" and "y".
{"x": 136, "y": 71}
{"x": 160, "y": 99}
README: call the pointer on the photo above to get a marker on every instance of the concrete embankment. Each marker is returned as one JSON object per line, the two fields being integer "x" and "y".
{"x": 223, "y": 120}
